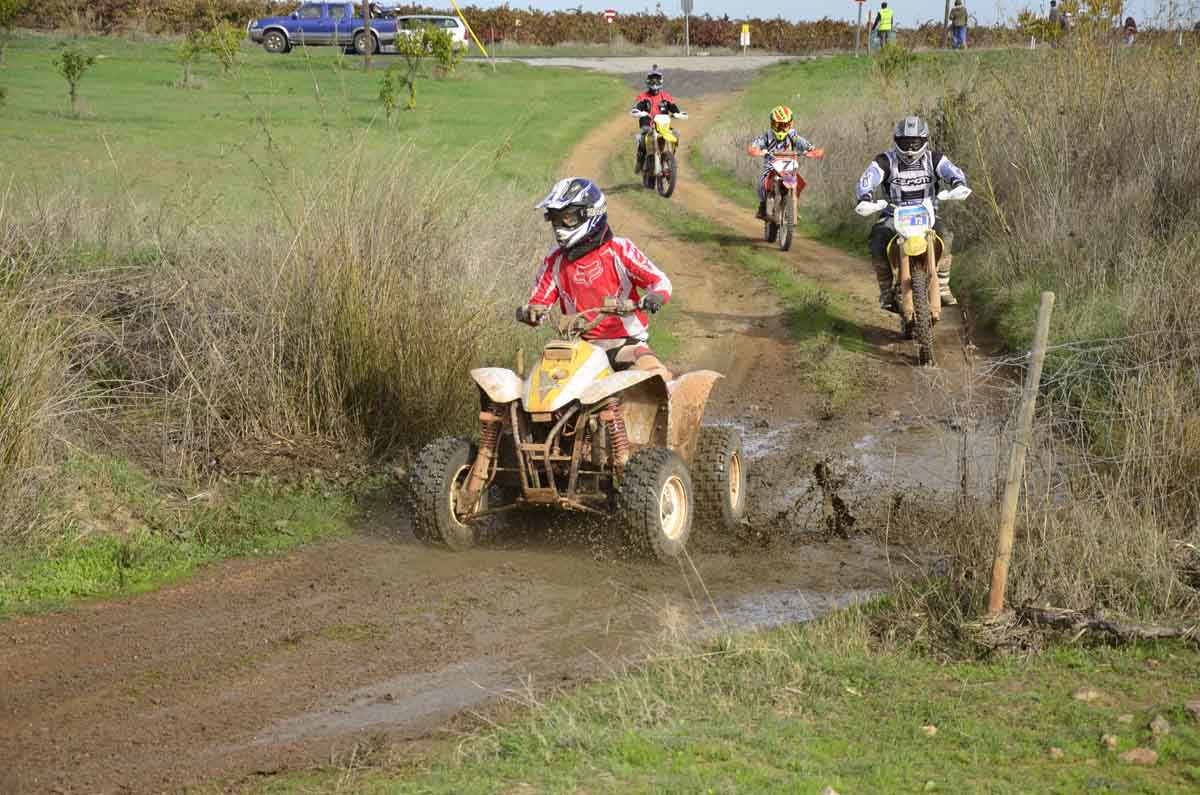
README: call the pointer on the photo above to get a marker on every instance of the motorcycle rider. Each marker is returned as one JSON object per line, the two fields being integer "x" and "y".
{"x": 589, "y": 264}
{"x": 651, "y": 101}
{"x": 780, "y": 137}
{"x": 909, "y": 171}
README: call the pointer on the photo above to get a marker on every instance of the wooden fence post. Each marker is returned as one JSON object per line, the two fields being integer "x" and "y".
{"x": 1016, "y": 461}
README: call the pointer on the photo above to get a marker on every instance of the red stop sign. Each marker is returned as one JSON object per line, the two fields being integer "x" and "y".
{"x": 610, "y": 15}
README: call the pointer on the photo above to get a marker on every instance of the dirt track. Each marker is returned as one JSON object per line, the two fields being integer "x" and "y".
{"x": 259, "y": 666}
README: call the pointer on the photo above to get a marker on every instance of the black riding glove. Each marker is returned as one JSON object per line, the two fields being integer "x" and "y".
{"x": 653, "y": 302}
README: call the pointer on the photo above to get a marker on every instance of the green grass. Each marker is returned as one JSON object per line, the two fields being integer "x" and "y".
{"x": 128, "y": 534}
{"x": 305, "y": 113}
{"x": 799, "y": 709}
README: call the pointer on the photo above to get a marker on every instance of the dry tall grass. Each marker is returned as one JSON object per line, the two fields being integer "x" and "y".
{"x": 1085, "y": 183}
{"x": 351, "y": 318}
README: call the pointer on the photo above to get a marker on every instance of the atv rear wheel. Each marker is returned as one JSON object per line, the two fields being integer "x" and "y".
{"x": 655, "y": 502}
{"x": 441, "y": 467}
{"x": 719, "y": 476}
{"x": 666, "y": 182}
{"x": 922, "y": 325}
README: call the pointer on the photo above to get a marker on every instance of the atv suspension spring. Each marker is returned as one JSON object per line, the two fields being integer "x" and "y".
{"x": 491, "y": 422}
{"x": 618, "y": 438}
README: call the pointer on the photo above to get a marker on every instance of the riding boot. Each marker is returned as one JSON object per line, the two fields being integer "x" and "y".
{"x": 887, "y": 294}
{"x": 641, "y": 161}
{"x": 762, "y": 209}
{"x": 943, "y": 269}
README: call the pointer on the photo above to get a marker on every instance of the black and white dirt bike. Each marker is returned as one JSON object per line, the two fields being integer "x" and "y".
{"x": 914, "y": 252}
{"x": 660, "y": 142}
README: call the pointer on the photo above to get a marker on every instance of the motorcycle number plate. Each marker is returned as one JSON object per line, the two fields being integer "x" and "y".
{"x": 912, "y": 216}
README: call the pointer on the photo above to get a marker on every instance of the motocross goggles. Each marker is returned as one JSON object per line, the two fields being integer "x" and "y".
{"x": 911, "y": 145}
{"x": 780, "y": 128}
{"x": 567, "y": 217}
{"x": 654, "y": 84}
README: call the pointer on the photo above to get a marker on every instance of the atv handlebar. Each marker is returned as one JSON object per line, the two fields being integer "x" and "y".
{"x": 580, "y": 323}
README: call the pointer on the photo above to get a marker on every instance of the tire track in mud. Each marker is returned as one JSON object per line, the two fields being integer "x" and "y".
{"x": 256, "y": 667}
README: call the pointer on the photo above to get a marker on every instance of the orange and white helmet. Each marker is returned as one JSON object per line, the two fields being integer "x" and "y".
{"x": 781, "y": 121}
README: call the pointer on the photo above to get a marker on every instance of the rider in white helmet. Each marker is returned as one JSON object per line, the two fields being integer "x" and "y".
{"x": 909, "y": 171}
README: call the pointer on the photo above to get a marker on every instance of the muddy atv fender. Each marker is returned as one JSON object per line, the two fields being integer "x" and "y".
{"x": 500, "y": 385}
{"x": 688, "y": 399}
{"x": 645, "y": 404}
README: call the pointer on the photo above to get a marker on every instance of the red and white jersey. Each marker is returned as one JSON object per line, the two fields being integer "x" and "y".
{"x": 616, "y": 268}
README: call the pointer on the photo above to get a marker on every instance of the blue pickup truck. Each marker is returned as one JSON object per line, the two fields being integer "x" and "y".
{"x": 339, "y": 24}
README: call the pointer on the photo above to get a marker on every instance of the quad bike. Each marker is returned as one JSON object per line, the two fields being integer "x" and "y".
{"x": 661, "y": 142}
{"x": 783, "y": 186}
{"x": 914, "y": 253}
{"x": 574, "y": 435}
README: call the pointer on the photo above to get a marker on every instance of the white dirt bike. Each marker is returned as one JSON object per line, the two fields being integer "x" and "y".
{"x": 914, "y": 252}
{"x": 660, "y": 144}
{"x": 575, "y": 435}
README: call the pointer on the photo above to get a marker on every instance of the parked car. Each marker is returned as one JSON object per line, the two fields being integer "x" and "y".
{"x": 339, "y": 24}
{"x": 409, "y": 23}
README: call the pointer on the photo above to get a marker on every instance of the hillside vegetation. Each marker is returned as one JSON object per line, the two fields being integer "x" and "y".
{"x": 1084, "y": 185}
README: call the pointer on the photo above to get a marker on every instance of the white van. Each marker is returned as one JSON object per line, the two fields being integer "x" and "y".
{"x": 454, "y": 25}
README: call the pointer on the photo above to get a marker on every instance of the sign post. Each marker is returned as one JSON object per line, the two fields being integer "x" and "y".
{"x": 609, "y": 16}
{"x": 687, "y": 33}
{"x": 858, "y": 27}
{"x": 745, "y": 37}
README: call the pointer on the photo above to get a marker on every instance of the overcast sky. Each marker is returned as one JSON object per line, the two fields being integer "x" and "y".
{"x": 908, "y": 12}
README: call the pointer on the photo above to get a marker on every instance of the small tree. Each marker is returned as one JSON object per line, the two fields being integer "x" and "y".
{"x": 9, "y": 11}
{"x": 224, "y": 40}
{"x": 389, "y": 90}
{"x": 444, "y": 49}
{"x": 189, "y": 50}
{"x": 413, "y": 48}
{"x": 73, "y": 64}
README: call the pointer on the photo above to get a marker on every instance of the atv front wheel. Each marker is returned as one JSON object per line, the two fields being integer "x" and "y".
{"x": 655, "y": 502}
{"x": 441, "y": 468}
{"x": 719, "y": 475}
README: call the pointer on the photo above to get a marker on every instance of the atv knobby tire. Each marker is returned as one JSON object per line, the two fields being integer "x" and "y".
{"x": 439, "y": 465}
{"x": 719, "y": 478}
{"x": 656, "y": 503}
{"x": 922, "y": 326}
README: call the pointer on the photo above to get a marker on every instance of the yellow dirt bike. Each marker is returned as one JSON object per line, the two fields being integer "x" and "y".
{"x": 783, "y": 185}
{"x": 660, "y": 142}
{"x": 572, "y": 434}
{"x": 914, "y": 253}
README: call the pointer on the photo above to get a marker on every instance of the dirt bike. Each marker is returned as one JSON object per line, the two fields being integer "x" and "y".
{"x": 784, "y": 185}
{"x": 573, "y": 434}
{"x": 660, "y": 141}
{"x": 914, "y": 253}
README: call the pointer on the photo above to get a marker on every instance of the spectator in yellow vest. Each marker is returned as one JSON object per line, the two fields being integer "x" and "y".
{"x": 884, "y": 27}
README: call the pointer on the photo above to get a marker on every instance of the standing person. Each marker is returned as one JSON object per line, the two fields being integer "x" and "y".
{"x": 958, "y": 25}
{"x": 1130, "y": 31}
{"x": 884, "y": 26}
{"x": 1054, "y": 23}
